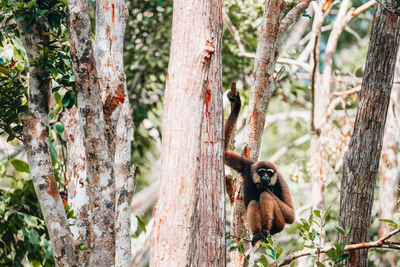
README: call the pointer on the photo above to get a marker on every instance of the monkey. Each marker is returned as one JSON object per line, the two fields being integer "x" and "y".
{"x": 267, "y": 198}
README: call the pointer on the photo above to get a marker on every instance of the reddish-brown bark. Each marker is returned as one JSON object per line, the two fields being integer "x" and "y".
{"x": 192, "y": 49}
{"x": 362, "y": 157}
{"x": 209, "y": 239}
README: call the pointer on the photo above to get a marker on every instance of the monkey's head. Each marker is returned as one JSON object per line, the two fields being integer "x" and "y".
{"x": 264, "y": 173}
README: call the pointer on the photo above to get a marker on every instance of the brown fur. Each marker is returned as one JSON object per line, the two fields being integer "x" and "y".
{"x": 269, "y": 208}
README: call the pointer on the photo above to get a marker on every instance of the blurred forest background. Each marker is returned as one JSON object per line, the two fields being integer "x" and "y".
{"x": 286, "y": 140}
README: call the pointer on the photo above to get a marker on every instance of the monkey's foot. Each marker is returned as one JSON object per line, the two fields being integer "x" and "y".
{"x": 266, "y": 234}
{"x": 260, "y": 237}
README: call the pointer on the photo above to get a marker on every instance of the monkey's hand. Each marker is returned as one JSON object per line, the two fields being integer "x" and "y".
{"x": 234, "y": 99}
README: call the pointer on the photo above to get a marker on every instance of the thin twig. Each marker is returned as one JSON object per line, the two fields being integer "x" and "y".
{"x": 348, "y": 92}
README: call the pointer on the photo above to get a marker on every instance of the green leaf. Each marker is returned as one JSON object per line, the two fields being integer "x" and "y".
{"x": 317, "y": 213}
{"x": 233, "y": 248}
{"x": 263, "y": 261}
{"x": 320, "y": 264}
{"x": 343, "y": 257}
{"x": 67, "y": 98}
{"x": 20, "y": 165}
{"x": 271, "y": 254}
{"x": 141, "y": 223}
{"x": 54, "y": 151}
{"x": 340, "y": 229}
{"x": 59, "y": 128}
{"x": 31, "y": 3}
{"x": 386, "y": 220}
{"x": 279, "y": 252}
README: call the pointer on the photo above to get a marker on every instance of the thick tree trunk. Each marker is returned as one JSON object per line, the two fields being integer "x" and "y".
{"x": 388, "y": 169}
{"x": 192, "y": 47}
{"x": 209, "y": 240}
{"x": 362, "y": 157}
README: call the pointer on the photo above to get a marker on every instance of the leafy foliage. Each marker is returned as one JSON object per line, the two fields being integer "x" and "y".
{"x": 23, "y": 234}
{"x": 12, "y": 99}
{"x": 273, "y": 251}
{"x": 146, "y": 63}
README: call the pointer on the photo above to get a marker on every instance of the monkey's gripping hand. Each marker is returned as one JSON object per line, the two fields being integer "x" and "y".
{"x": 235, "y": 100}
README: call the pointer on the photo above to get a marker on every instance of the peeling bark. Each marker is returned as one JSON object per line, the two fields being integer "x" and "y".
{"x": 78, "y": 183}
{"x": 125, "y": 184}
{"x": 362, "y": 157}
{"x": 209, "y": 240}
{"x": 192, "y": 48}
{"x": 108, "y": 51}
{"x": 92, "y": 121}
{"x": 36, "y": 139}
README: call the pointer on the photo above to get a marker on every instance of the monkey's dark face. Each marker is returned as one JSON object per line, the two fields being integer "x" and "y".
{"x": 265, "y": 176}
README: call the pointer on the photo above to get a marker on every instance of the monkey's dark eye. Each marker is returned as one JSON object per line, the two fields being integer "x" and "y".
{"x": 270, "y": 173}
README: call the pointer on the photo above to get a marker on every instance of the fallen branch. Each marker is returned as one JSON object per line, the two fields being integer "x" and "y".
{"x": 380, "y": 243}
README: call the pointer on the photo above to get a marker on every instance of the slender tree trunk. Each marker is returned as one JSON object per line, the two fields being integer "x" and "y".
{"x": 175, "y": 216}
{"x": 388, "y": 171}
{"x": 36, "y": 139}
{"x": 78, "y": 183}
{"x": 209, "y": 240}
{"x": 362, "y": 157}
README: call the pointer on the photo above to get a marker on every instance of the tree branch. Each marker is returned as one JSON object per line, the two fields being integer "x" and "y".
{"x": 380, "y": 243}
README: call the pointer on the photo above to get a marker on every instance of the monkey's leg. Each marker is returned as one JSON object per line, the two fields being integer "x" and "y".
{"x": 267, "y": 211}
{"x": 279, "y": 219}
{"x": 254, "y": 219}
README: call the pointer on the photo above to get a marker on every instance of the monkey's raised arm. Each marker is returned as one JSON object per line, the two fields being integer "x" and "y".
{"x": 232, "y": 159}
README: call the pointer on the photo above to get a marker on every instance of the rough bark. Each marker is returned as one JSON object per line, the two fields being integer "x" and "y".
{"x": 92, "y": 121}
{"x": 388, "y": 169}
{"x": 108, "y": 52}
{"x": 209, "y": 241}
{"x": 192, "y": 46}
{"x": 110, "y": 28}
{"x": 78, "y": 184}
{"x": 36, "y": 139}
{"x": 362, "y": 157}
{"x": 125, "y": 179}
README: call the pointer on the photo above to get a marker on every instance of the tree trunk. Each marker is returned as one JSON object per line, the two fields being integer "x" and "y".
{"x": 36, "y": 139}
{"x": 78, "y": 183}
{"x": 175, "y": 217}
{"x": 361, "y": 161}
{"x": 209, "y": 240}
{"x": 106, "y": 125}
{"x": 388, "y": 171}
